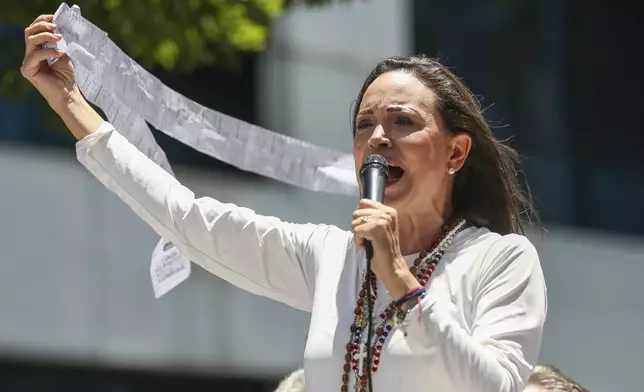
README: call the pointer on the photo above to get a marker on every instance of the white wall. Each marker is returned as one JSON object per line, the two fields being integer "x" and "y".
{"x": 74, "y": 283}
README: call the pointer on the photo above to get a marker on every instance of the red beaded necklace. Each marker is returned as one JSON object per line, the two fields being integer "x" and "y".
{"x": 422, "y": 269}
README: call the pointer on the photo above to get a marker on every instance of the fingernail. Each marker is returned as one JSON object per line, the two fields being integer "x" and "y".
{"x": 58, "y": 35}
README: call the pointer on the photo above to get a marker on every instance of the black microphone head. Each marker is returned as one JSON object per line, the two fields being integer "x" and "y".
{"x": 373, "y": 174}
{"x": 375, "y": 160}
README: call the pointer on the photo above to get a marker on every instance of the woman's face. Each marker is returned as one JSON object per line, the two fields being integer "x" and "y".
{"x": 398, "y": 119}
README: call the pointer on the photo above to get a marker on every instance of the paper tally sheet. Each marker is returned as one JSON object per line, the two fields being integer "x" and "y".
{"x": 131, "y": 98}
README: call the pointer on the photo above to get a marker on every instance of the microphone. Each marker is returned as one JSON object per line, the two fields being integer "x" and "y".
{"x": 373, "y": 174}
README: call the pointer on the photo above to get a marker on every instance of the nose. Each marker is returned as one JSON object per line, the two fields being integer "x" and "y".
{"x": 379, "y": 138}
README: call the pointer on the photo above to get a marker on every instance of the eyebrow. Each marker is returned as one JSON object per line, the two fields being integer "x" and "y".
{"x": 390, "y": 109}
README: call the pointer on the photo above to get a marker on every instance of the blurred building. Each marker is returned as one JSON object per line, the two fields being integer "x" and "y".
{"x": 76, "y": 305}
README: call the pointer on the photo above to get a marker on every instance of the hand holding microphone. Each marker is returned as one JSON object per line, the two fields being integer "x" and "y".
{"x": 373, "y": 175}
{"x": 375, "y": 227}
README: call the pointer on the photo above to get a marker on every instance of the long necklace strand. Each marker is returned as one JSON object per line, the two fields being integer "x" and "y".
{"x": 423, "y": 267}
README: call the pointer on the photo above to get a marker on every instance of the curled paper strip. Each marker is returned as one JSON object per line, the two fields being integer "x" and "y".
{"x": 240, "y": 144}
{"x": 130, "y": 96}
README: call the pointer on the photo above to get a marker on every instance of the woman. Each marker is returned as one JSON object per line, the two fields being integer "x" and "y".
{"x": 451, "y": 213}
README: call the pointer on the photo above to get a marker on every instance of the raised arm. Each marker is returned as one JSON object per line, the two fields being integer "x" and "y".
{"x": 509, "y": 310}
{"x": 260, "y": 254}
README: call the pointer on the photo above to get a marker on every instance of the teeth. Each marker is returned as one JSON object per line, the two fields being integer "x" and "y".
{"x": 395, "y": 172}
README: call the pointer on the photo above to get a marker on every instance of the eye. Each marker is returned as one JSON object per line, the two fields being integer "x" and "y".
{"x": 401, "y": 120}
{"x": 362, "y": 124}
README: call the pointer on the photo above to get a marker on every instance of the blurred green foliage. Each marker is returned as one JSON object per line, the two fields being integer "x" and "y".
{"x": 177, "y": 35}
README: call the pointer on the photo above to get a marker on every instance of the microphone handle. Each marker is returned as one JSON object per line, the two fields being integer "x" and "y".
{"x": 369, "y": 250}
{"x": 374, "y": 181}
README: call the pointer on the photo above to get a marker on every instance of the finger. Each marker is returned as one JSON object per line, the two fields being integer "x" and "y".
{"x": 363, "y": 229}
{"x": 363, "y": 233}
{"x": 367, "y": 203}
{"x": 357, "y": 222}
{"x": 375, "y": 217}
{"x": 41, "y": 38}
{"x": 358, "y": 239}
{"x": 36, "y": 57}
{"x": 39, "y": 27}
{"x": 44, "y": 17}
{"x": 42, "y": 55}
{"x": 366, "y": 212}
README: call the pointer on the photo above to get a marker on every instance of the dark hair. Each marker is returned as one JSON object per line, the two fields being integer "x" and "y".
{"x": 552, "y": 379}
{"x": 487, "y": 190}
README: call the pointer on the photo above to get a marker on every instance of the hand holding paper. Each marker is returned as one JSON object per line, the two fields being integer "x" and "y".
{"x": 56, "y": 82}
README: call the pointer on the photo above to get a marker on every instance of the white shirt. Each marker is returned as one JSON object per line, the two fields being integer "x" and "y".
{"x": 478, "y": 328}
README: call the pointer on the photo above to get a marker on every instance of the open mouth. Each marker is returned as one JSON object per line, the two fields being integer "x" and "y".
{"x": 395, "y": 174}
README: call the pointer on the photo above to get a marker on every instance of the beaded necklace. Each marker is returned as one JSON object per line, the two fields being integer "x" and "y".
{"x": 355, "y": 358}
